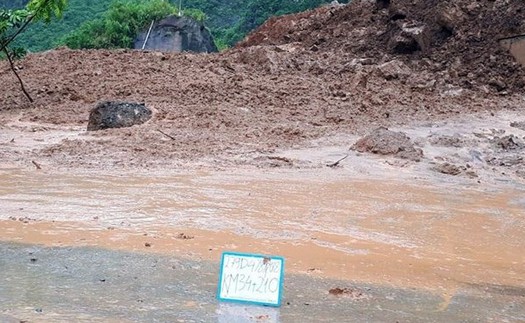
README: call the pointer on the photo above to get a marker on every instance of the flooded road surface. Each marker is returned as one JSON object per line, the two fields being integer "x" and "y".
{"x": 86, "y": 284}
{"x": 450, "y": 247}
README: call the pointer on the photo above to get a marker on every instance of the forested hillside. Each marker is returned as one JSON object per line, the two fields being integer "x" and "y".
{"x": 9, "y": 4}
{"x": 228, "y": 20}
{"x": 41, "y": 36}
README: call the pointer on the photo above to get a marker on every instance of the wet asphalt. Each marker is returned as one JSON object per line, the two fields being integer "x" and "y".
{"x": 85, "y": 284}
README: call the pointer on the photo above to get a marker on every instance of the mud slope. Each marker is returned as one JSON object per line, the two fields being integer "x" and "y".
{"x": 311, "y": 75}
{"x": 457, "y": 39}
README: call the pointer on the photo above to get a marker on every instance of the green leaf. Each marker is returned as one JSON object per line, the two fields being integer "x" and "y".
{"x": 18, "y": 52}
{"x": 46, "y": 10}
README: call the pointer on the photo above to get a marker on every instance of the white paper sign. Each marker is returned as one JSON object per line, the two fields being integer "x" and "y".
{"x": 251, "y": 278}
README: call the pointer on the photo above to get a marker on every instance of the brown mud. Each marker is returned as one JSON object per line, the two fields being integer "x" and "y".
{"x": 274, "y": 91}
{"x": 328, "y": 225}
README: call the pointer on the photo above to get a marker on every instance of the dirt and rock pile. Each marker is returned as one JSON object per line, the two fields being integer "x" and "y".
{"x": 386, "y": 142}
{"x": 337, "y": 69}
{"x": 457, "y": 40}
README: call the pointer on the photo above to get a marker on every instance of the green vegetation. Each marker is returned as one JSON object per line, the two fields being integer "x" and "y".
{"x": 196, "y": 14}
{"x": 228, "y": 20}
{"x": 40, "y": 36}
{"x": 13, "y": 4}
{"x": 118, "y": 27}
{"x": 14, "y": 22}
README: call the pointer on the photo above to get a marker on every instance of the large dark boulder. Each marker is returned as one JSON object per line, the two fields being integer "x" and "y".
{"x": 177, "y": 34}
{"x": 117, "y": 115}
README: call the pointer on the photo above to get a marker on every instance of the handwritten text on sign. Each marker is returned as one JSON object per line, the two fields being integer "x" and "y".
{"x": 251, "y": 278}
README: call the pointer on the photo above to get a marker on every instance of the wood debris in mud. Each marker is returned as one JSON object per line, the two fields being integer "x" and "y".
{"x": 184, "y": 236}
{"x": 37, "y": 165}
{"x": 165, "y": 134}
{"x": 333, "y": 165}
{"x": 347, "y": 292}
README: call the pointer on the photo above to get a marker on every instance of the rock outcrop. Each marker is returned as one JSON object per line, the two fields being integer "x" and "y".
{"x": 177, "y": 34}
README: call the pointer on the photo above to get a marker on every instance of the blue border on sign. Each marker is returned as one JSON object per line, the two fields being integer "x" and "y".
{"x": 253, "y": 255}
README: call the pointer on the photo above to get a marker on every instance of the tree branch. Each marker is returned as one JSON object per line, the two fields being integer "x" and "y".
{"x": 24, "y": 26}
{"x": 10, "y": 39}
{"x": 337, "y": 162}
{"x": 165, "y": 134}
{"x": 13, "y": 68}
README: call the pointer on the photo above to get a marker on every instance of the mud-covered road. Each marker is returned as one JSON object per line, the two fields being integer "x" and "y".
{"x": 409, "y": 240}
{"x": 411, "y": 245}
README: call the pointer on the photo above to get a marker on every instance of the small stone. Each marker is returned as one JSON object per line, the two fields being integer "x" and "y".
{"x": 449, "y": 169}
{"x": 498, "y": 84}
{"x": 386, "y": 142}
{"x": 394, "y": 69}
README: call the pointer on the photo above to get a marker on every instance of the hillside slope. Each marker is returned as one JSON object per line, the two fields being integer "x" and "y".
{"x": 269, "y": 94}
{"x": 10, "y": 4}
{"x": 40, "y": 36}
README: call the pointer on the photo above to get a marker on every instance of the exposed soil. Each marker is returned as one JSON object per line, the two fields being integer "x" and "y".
{"x": 456, "y": 40}
{"x": 213, "y": 106}
{"x": 297, "y": 78}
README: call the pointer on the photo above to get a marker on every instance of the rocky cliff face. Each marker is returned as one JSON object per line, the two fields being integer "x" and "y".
{"x": 177, "y": 34}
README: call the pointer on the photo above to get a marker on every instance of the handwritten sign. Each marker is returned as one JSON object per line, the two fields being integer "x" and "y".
{"x": 251, "y": 278}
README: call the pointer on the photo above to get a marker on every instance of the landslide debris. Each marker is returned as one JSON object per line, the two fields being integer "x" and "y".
{"x": 510, "y": 142}
{"x": 449, "y": 169}
{"x": 518, "y": 124}
{"x": 456, "y": 39}
{"x": 337, "y": 69}
{"x": 386, "y": 142}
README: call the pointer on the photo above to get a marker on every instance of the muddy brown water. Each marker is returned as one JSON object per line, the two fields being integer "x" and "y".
{"x": 422, "y": 234}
